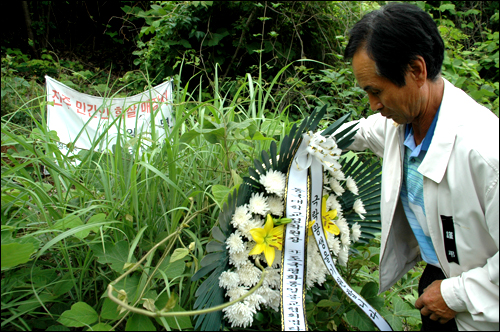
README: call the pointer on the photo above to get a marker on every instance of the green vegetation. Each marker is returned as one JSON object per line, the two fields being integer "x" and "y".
{"x": 243, "y": 74}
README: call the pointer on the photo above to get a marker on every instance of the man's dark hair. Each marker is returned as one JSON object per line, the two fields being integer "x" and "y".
{"x": 393, "y": 36}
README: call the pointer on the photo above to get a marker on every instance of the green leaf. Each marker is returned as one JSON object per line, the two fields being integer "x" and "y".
{"x": 81, "y": 314}
{"x": 328, "y": 303}
{"x": 179, "y": 253}
{"x": 33, "y": 302}
{"x": 357, "y": 318}
{"x": 110, "y": 310}
{"x": 64, "y": 285}
{"x": 185, "y": 43}
{"x": 449, "y": 6}
{"x": 183, "y": 322}
{"x": 369, "y": 290}
{"x": 14, "y": 254}
{"x": 189, "y": 136}
{"x": 73, "y": 221}
{"x": 214, "y": 136}
{"x": 395, "y": 322}
{"x": 99, "y": 217}
{"x": 139, "y": 323}
{"x": 57, "y": 327}
{"x": 70, "y": 221}
{"x": 171, "y": 269}
{"x": 101, "y": 327}
{"x": 220, "y": 193}
{"x": 114, "y": 254}
{"x": 259, "y": 137}
{"x": 171, "y": 303}
{"x": 7, "y": 234}
{"x": 403, "y": 309}
{"x": 236, "y": 178}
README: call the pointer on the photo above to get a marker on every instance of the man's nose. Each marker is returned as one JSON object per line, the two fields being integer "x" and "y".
{"x": 375, "y": 103}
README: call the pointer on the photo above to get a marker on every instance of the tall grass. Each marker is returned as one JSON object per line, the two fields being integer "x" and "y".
{"x": 67, "y": 235}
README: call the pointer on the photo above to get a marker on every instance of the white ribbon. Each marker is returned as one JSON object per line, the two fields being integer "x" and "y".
{"x": 303, "y": 203}
{"x": 319, "y": 234}
{"x": 293, "y": 267}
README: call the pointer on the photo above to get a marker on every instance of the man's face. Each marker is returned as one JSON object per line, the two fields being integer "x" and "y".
{"x": 399, "y": 104}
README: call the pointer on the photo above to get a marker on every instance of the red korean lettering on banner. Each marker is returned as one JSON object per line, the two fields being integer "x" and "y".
{"x": 92, "y": 110}
{"x": 66, "y": 100}
{"x": 80, "y": 107}
{"x": 118, "y": 111}
{"x": 132, "y": 111}
{"x": 155, "y": 103}
{"x": 145, "y": 107}
{"x": 57, "y": 96}
{"x": 104, "y": 113}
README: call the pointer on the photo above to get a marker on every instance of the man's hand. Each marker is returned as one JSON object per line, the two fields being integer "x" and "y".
{"x": 432, "y": 303}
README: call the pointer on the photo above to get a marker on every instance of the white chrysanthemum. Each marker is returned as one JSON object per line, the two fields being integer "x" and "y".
{"x": 342, "y": 225}
{"x": 316, "y": 270}
{"x": 236, "y": 292}
{"x": 241, "y": 216}
{"x": 336, "y": 187}
{"x": 338, "y": 174}
{"x": 255, "y": 300}
{"x": 266, "y": 292}
{"x": 351, "y": 185}
{"x": 249, "y": 274}
{"x": 239, "y": 259}
{"x": 274, "y": 182}
{"x": 276, "y": 206}
{"x": 355, "y": 232}
{"x": 359, "y": 208}
{"x": 332, "y": 203}
{"x": 345, "y": 239}
{"x": 245, "y": 229}
{"x": 316, "y": 273}
{"x": 272, "y": 297}
{"x": 272, "y": 278}
{"x": 229, "y": 280}
{"x": 235, "y": 243}
{"x": 343, "y": 257}
{"x": 275, "y": 301}
{"x": 334, "y": 244}
{"x": 258, "y": 204}
{"x": 240, "y": 314}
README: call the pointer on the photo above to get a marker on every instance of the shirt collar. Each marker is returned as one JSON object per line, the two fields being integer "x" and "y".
{"x": 426, "y": 142}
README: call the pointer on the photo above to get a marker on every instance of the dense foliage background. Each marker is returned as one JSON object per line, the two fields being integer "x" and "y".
{"x": 244, "y": 72}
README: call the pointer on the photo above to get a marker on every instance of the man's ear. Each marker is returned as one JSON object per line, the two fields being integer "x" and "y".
{"x": 418, "y": 70}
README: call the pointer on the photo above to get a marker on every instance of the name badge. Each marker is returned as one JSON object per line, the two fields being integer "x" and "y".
{"x": 450, "y": 245}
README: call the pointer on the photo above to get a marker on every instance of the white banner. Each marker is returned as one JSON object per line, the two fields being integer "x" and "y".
{"x": 80, "y": 119}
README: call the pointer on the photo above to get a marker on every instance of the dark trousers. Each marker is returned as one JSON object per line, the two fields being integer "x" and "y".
{"x": 432, "y": 273}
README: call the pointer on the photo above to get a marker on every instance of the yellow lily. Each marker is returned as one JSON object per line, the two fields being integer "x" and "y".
{"x": 268, "y": 239}
{"x": 327, "y": 216}
{"x": 328, "y": 225}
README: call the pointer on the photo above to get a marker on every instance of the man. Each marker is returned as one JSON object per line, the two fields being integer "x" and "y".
{"x": 439, "y": 198}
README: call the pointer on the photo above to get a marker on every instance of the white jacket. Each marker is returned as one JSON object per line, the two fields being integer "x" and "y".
{"x": 460, "y": 172}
